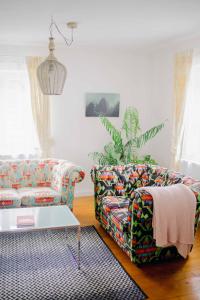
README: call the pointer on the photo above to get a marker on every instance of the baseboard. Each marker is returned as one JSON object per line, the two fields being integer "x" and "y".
{"x": 84, "y": 193}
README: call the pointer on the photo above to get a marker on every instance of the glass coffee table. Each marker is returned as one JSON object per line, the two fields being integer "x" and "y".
{"x": 49, "y": 217}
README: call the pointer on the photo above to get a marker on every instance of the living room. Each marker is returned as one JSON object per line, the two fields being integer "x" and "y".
{"x": 99, "y": 121}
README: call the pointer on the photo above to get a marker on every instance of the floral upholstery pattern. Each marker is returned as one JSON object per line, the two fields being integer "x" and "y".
{"x": 115, "y": 209}
{"x": 65, "y": 176}
{"x": 36, "y": 196}
{"x": 127, "y": 215}
{"x": 114, "y": 202}
{"x": 26, "y": 173}
{"x": 118, "y": 218}
{"x": 9, "y": 198}
{"x": 59, "y": 175}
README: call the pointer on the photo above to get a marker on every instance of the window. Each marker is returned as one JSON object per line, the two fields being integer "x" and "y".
{"x": 18, "y": 136}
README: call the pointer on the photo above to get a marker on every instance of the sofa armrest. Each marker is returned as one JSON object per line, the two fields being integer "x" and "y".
{"x": 140, "y": 208}
{"x": 140, "y": 214}
{"x": 197, "y": 216}
{"x": 64, "y": 177}
{"x": 93, "y": 174}
{"x": 195, "y": 187}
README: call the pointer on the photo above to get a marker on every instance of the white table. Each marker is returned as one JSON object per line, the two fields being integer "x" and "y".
{"x": 51, "y": 217}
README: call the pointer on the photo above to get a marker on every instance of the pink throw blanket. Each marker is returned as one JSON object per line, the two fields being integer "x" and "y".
{"x": 174, "y": 209}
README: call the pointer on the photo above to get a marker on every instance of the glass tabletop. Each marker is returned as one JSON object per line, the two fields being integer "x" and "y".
{"x": 43, "y": 217}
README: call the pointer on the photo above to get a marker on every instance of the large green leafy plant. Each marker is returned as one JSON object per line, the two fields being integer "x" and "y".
{"x": 127, "y": 142}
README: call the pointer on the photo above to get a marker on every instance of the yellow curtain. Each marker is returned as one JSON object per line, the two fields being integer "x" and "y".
{"x": 182, "y": 68}
{"x": 40, "y": 107}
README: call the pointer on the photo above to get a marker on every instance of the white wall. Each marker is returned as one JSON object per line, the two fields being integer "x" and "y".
{"x": 102, "y": 71}
{"x": 133, "y": 75}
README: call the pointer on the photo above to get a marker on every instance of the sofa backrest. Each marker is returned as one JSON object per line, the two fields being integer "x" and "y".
{"x": 119, "y": 180}
{"x": 26, "y": 173}
{"x": 123, "y": 180}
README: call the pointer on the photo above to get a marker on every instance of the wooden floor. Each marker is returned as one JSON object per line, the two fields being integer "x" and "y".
{"x": 175, "y": 280}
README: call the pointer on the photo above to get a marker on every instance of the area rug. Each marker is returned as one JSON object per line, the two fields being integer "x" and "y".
{"x": 41, "y": 266}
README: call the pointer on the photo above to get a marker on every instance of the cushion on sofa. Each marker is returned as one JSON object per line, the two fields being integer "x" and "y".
{"x": 26, "y": 173}
{"x": 111, "y": 202}
{"x": 119, "y": 180}
{"x": 196, "y": 187}
{"x": 9, "y": 198}
{"x": 158, "y": 176}
{"x": 115, "y": 211}
{"x": 39, "y": 196}
{"x": 119, "y": 218}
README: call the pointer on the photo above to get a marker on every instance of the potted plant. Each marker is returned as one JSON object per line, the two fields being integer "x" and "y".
{"x": 127, "y": 142}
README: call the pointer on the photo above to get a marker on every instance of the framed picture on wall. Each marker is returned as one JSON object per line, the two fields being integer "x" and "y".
{"x": 102, "y": 104}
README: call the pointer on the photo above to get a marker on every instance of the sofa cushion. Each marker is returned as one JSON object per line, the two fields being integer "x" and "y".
{"x": 9, "y": 198}
{"x": 191, "y": 182}
{"x": 196, "y": 187}
{"x": 26, "y": 173}
{"x": 119, "y": 180}
{"x": 174, "y": 177}
{"x": 119, "y": 218}
{"x": 158, "y": 176}
{"x": 39, "y": 196}
{"x": 110, "y": 202}
{"x": 115, "y": 212}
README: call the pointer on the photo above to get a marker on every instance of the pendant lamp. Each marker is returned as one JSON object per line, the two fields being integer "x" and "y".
{"x": 51, "y": 73}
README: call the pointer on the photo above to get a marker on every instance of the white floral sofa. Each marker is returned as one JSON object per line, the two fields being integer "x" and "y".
{"x": 38, "y": 182}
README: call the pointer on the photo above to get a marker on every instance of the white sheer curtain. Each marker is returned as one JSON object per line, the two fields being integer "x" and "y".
{"x": 40, "y": 107}
{"x": 182, "y": 69}
{"x": 190, "y": 156}
{"x": 18, "y": 137}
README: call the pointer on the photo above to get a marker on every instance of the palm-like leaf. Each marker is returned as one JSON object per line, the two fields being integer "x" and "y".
{"x": 131, "y": 126}
{"x": 109, "y": 157}
{"x": 131, "y": 123}
{"x": 118, "y": 153}
{"x": 130, "y": 150}
{"x": 111, "y": 152}
{"x": 98, "y": 157}
{"x": 148, "y": 135}
{"x": 109, "y": 148}
{"x": 115, "y": 134}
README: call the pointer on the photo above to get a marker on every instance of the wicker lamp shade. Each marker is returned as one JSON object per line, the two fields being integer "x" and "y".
{"x": 51, "y": 73}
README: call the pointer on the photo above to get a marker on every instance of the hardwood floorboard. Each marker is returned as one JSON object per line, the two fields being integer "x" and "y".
{"x": 174, "y": 280}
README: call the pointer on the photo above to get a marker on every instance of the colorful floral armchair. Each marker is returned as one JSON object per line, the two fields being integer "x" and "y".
{"x": 126, "y": 214}
{"x": 38, "y": 182}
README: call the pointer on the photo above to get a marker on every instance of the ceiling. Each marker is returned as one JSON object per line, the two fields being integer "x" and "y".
{"x": 132, "y": 23}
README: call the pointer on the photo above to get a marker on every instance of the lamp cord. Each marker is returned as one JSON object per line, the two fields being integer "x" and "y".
{"x": 67, "y": 41}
